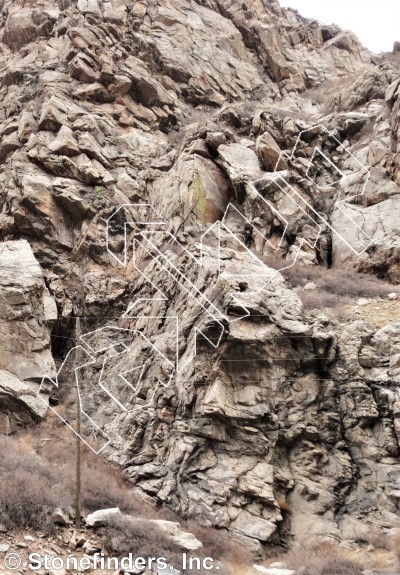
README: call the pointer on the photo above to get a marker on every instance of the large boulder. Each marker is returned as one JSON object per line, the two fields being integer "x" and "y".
{"x": 21, "y": 397}
{"x": 182, "y": 538}
{"x": 65, "y": 143}
{"x": 101, "y": 517}
{"x": 269, "y": 152}
{"x": 372, "y": 237}
{"x": 25, "y": 24}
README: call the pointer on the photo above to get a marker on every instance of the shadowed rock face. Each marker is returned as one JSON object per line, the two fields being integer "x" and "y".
{"x": 287, "y": 423}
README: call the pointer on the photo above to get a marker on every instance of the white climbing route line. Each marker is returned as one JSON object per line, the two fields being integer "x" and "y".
{"x": 146, "y": 232}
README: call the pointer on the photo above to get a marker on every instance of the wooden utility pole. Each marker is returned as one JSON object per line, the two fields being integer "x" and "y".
{"x": 78, "y": 430}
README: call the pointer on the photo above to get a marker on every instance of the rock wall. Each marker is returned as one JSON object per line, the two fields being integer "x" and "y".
{"x": 282, "y": 134}
{"x": 27, "y": 312}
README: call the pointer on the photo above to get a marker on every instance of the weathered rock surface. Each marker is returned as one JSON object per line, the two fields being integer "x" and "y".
{"x": 273, "y": 570}
{"x": 276, "y": 421}
{"x": 26, "y": 313}
{"x": 61, "y": 517}
{"x": 184, "y": 539}
{"x": 102, "y": 517}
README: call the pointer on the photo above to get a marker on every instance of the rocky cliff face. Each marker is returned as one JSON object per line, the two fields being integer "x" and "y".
{"x": 165, "y": 160}
{"x": 27, "y": 313}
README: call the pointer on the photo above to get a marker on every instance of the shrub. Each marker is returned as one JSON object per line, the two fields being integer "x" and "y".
{"x": 337, "y": 281}
{"x": 395, "y": 544}
{"x": 126, "y": 535}
{"x": 218, "y": 544}
{"x": 323, "y": 559}
{"x": 142, "y": 538}
{"x": 319, "y": 299}
{"x": 33, "y": 485}
{"x": 30, "y": 491}
{"x": 341, "y": 567}
{"x": 333, "y": 286}
{"x": 102, "y": 487}
{"x": 375, "y": 537}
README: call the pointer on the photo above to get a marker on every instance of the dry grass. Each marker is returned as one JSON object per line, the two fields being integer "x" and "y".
{"x": 377, "y": 538}
{"x": 102, "y": 484}
{"x": 30, "y": 489}
{"x": 324, "y": 93}
{"x": 339, "y": 282}
{"x": 242, "y": 569}
{"x": 45, "y": 480}
{"x": 142, "y": 538}
{"x": 334, "y": 286}
{"x": 200, "y": 116}
{"x": 26, "y": 3}
{"x": 321, "y": 300}
{"x": 64, "y": 4}
{"x": 218, "y": 544}
{"x": 37, "y": 475}
{"x": 380, "y": 315}
{"x": 322, "y": 559}
{"x": 395, "y": 544}
{"x": 104, "y": 488}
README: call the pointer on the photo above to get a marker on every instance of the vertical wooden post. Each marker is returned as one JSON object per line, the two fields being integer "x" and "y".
{"x": 78, "y": 431}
